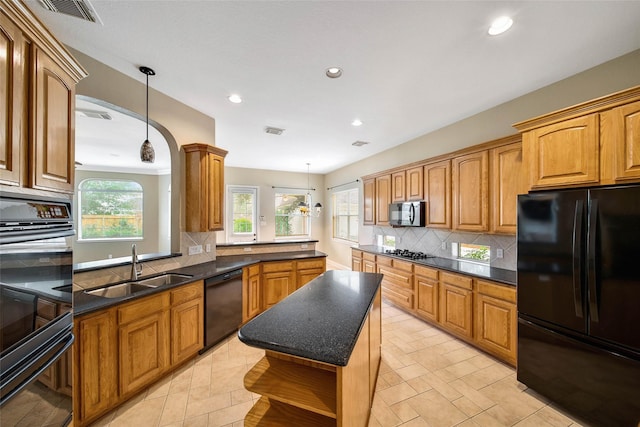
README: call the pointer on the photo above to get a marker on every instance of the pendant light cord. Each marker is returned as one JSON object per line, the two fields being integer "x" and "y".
{"x": 147, "y": 106}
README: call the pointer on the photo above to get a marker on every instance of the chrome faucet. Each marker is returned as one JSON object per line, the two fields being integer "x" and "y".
{"x": 135, "y": 271}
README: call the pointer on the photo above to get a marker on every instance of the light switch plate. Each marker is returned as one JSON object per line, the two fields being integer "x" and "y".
{"x": 499, "y": 253}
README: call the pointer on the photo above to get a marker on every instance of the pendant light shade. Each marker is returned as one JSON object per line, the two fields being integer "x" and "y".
{"x": 147, "y": 153}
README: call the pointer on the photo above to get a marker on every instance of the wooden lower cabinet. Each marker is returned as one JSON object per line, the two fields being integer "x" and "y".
{"x": 95, "y": 389}
{"x": 496, "y": 320}
{"x": 426, "y": 283}
{"x": 307, "y": 270}
{"x": 278, "y": 281}
{"x": 369, "y": 263}
{"x": 481, "y": 312}
{"x": 251, "y": 292}
{"x": 120, "y": 350}
{"x": 301, "y": 392}
{"x": 356, "y": 260}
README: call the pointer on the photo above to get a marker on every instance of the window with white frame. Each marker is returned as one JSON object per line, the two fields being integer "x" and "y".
{"x": 110, "y": 209}
{"x": 289, "y": 221}
{"x": 242, "y": 213}
{"x": 345, "y": 215}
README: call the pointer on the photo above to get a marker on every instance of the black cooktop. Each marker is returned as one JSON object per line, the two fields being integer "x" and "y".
{"x": 405, "y": 253}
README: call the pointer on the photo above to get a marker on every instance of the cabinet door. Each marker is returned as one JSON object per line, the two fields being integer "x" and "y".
{"x": 507, "y": 181}
{"x": 252, "y": 292}
{"x": 414, "y": 183}
{"x": 307, "y": 270}
{"x": 621, "y": 132}
{"x": 496, "y": 327}
{"x": 187, "y": 334}
{"x": 13, "y": 90}
{"x": 437, "y": 190}
{"x": 53, "y": 152}
{"x": 427, "y": 289}
{"x": 144, "y": 351}
{"x": 398, "y": 187}
{"x": 276, "y": 287}
{"x": 369, "y": 201}
{"x": 375, "y": 342}
{"x": 96, "y": 365}
{"x": 356, "y": 264}
{"x": 456, "y": 304}
{"x": 564, "y": 154}
{"x": 216, "y": 192}
{"x": 470, "y": 185}
{"x": 383, "y": 198}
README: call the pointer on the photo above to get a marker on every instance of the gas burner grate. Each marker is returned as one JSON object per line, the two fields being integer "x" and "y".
{"x": 405, "y": 253}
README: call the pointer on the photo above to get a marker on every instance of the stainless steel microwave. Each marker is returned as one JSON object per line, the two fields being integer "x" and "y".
{"x": 407, "y": 214}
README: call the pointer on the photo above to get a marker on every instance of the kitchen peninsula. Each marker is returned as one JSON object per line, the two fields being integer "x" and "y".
{"x": 322, "y": 353}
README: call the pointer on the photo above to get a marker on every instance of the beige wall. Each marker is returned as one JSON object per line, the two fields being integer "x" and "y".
{"x": 265, "y": 180}
{"x": 618, "y": 74}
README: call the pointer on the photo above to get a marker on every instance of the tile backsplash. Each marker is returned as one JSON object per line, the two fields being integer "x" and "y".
{"x": 431, "y": 241}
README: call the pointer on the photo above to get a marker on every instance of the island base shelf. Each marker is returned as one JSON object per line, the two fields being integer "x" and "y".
{"x": 270, "y": 413}
{"x": 293, "y": 383}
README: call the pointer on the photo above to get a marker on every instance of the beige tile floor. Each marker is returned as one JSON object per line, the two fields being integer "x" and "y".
{"x": 427, "y": 378}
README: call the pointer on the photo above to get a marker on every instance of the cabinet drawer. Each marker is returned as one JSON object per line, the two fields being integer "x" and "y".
{"x": 356, "y": 253}
{"x": 456, "y": 280}
{"x": 383, "y": 260}
{"x": 271, "y": 267}
{"x": 254, "y": 270}
{"x": 396, "y": 277}
{"x": 427, "y": 272}
{"x": 46, "y": 309}
{"x": 402, "y": 265}
{"x": 496, "y": 290}
{"x": 369, "y": 257}
{"x": 398, "y": 296}
{"x": 187, "y": 292}
{"x": 142, "y": 308}
{"x": 310, "y": 263}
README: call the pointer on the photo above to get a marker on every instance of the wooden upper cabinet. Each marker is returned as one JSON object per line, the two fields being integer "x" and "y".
{"x": 369, "y": 201}
{"x": 508, "y": 179}
{"x": 398, "y": 187}
{"x": 621, "y": 133}
{"x": 565, "y": 153}
{"x": 414, "y": 183}
{"x": 383, "y": 198}
{"x": 470, "y": 185}
{"x": 204, "y": 170}
{"x": 37, "y": 105}
{"x": 12, "y": 101}
{"x": 437, "y": 193}
{"x": 53, "y": 157}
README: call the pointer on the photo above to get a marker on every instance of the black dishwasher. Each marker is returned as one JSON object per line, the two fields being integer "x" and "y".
{"x": 223, "y": 307}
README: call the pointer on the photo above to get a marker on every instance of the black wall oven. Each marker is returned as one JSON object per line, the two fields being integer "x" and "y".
{"x": 36, "y": 274}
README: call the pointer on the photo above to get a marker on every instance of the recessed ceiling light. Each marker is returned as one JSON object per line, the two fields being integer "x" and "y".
{"x": 357, "y": 122}
{"x": 235, "y": 98}
{"x": 333, "y": 72}
{"x": 500, "y": 25}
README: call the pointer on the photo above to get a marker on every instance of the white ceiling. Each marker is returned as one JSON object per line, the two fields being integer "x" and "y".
{"x": 410, "y": 67}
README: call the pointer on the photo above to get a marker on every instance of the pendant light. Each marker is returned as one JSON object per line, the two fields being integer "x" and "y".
{"x": 304, "y": 206}
{"x": 147, "y": 153}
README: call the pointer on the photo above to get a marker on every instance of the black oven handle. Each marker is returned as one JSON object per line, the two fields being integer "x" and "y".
{"x": 18, "y": 376}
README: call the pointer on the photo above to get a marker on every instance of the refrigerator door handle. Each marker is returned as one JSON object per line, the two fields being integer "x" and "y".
{"x": 591, "y": 257}
{"x": 577, "y": 257}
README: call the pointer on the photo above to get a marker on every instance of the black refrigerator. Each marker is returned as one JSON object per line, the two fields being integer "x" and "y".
{"x": 579, "y": 301}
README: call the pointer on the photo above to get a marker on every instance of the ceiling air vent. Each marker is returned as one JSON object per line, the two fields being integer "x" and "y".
{"x": 359, "y": 143}
{"x": 79, "y": 8}
{"x": 273, "y": 131}
{"x": 103, "y": 115}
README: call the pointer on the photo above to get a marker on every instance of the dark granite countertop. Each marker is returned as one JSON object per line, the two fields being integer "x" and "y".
{"x": 84, "y": 303}
{"x": 53, "y": 290}
{"x": 269, "y": 242}
{"x": 320, "y": 321}
{"x": 501, "y": 275}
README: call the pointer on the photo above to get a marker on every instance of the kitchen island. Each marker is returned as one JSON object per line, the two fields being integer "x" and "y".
{"x": 322, "y": 353}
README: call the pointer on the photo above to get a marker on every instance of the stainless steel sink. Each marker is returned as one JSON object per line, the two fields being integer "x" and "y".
{"x": 164, "y": 279}
{"x": 121, "y": 290}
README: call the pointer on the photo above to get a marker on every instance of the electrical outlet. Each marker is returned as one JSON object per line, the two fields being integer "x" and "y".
{"x": 304, "y": 246}
{"x": 194, "y": 250}
{"x": 444, "y": 246}
{"x": 207, "y": 247}
{"x": 499, "y": 253}
{"x": 247, "y": 249}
